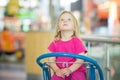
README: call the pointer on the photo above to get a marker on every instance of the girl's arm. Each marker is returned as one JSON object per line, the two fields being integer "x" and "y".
{"x": 76, "y": 66}
{"x": 53, "y": 64}
{"x": 55, "y": 68}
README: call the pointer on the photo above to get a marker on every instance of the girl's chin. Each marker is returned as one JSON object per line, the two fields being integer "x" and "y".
{"x": 67, "y": 30}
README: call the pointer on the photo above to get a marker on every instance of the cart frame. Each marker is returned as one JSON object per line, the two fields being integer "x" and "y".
{"x": 93, "y": 64}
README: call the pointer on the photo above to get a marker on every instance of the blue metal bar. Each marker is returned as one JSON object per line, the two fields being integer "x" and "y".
{"x": 92, "y": 73}
{"x": 55, "y": 54}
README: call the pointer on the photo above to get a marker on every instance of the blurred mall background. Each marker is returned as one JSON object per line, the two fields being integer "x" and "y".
{"x": 31, "y": 25}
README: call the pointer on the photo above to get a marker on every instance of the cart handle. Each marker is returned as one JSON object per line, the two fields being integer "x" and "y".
{"x": 55, "y": 54}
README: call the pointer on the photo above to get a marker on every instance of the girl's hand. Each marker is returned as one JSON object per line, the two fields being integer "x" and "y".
{"x": 60, "y": 73}
{"x": 66, "y": 71}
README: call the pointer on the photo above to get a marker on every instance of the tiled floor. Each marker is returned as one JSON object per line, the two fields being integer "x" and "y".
{"x": 12, "y": 71}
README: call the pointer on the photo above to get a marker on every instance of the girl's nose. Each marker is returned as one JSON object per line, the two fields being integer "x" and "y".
{"x": 65, "y": 20}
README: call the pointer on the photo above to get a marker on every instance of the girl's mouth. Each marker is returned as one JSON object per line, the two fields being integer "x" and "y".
{"x": 64, "y": 24}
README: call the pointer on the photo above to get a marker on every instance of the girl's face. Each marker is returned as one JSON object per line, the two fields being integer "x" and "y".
{"x": 66, "y": 22}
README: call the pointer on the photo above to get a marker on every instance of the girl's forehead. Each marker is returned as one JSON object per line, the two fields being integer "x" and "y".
{"x": 66, "y": 15}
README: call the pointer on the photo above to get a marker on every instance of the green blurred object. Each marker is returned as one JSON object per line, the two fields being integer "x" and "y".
{"x": 27, "y": 14}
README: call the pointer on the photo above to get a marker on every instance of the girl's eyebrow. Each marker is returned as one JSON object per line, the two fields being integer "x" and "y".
{"x": 66, "y": 18}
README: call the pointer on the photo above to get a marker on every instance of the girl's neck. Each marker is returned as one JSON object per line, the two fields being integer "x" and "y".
{"x": 66, "y": 35}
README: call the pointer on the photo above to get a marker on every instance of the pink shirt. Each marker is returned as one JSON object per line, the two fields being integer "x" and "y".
{"x": 73, "y": 45}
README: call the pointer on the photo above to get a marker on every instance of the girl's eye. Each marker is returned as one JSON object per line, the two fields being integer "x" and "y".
{"x": 69, "y": 19}
{"x": 61, "y": 19}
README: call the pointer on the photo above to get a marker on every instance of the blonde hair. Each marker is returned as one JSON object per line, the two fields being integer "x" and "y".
{"x": 76, "y": 27}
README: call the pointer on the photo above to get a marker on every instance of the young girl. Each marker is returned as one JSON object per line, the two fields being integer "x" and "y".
{"x": 67, "y": 40}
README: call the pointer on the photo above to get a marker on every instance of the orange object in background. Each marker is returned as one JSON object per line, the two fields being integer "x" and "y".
{"x": 12, "y": 43}
{"x": 7, "y": 41}
{"x": 103, "y": 9}
{"x": 103, "y": 14}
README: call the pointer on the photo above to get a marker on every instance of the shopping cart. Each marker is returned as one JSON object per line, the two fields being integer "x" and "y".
{"x": 94, "y": 71}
